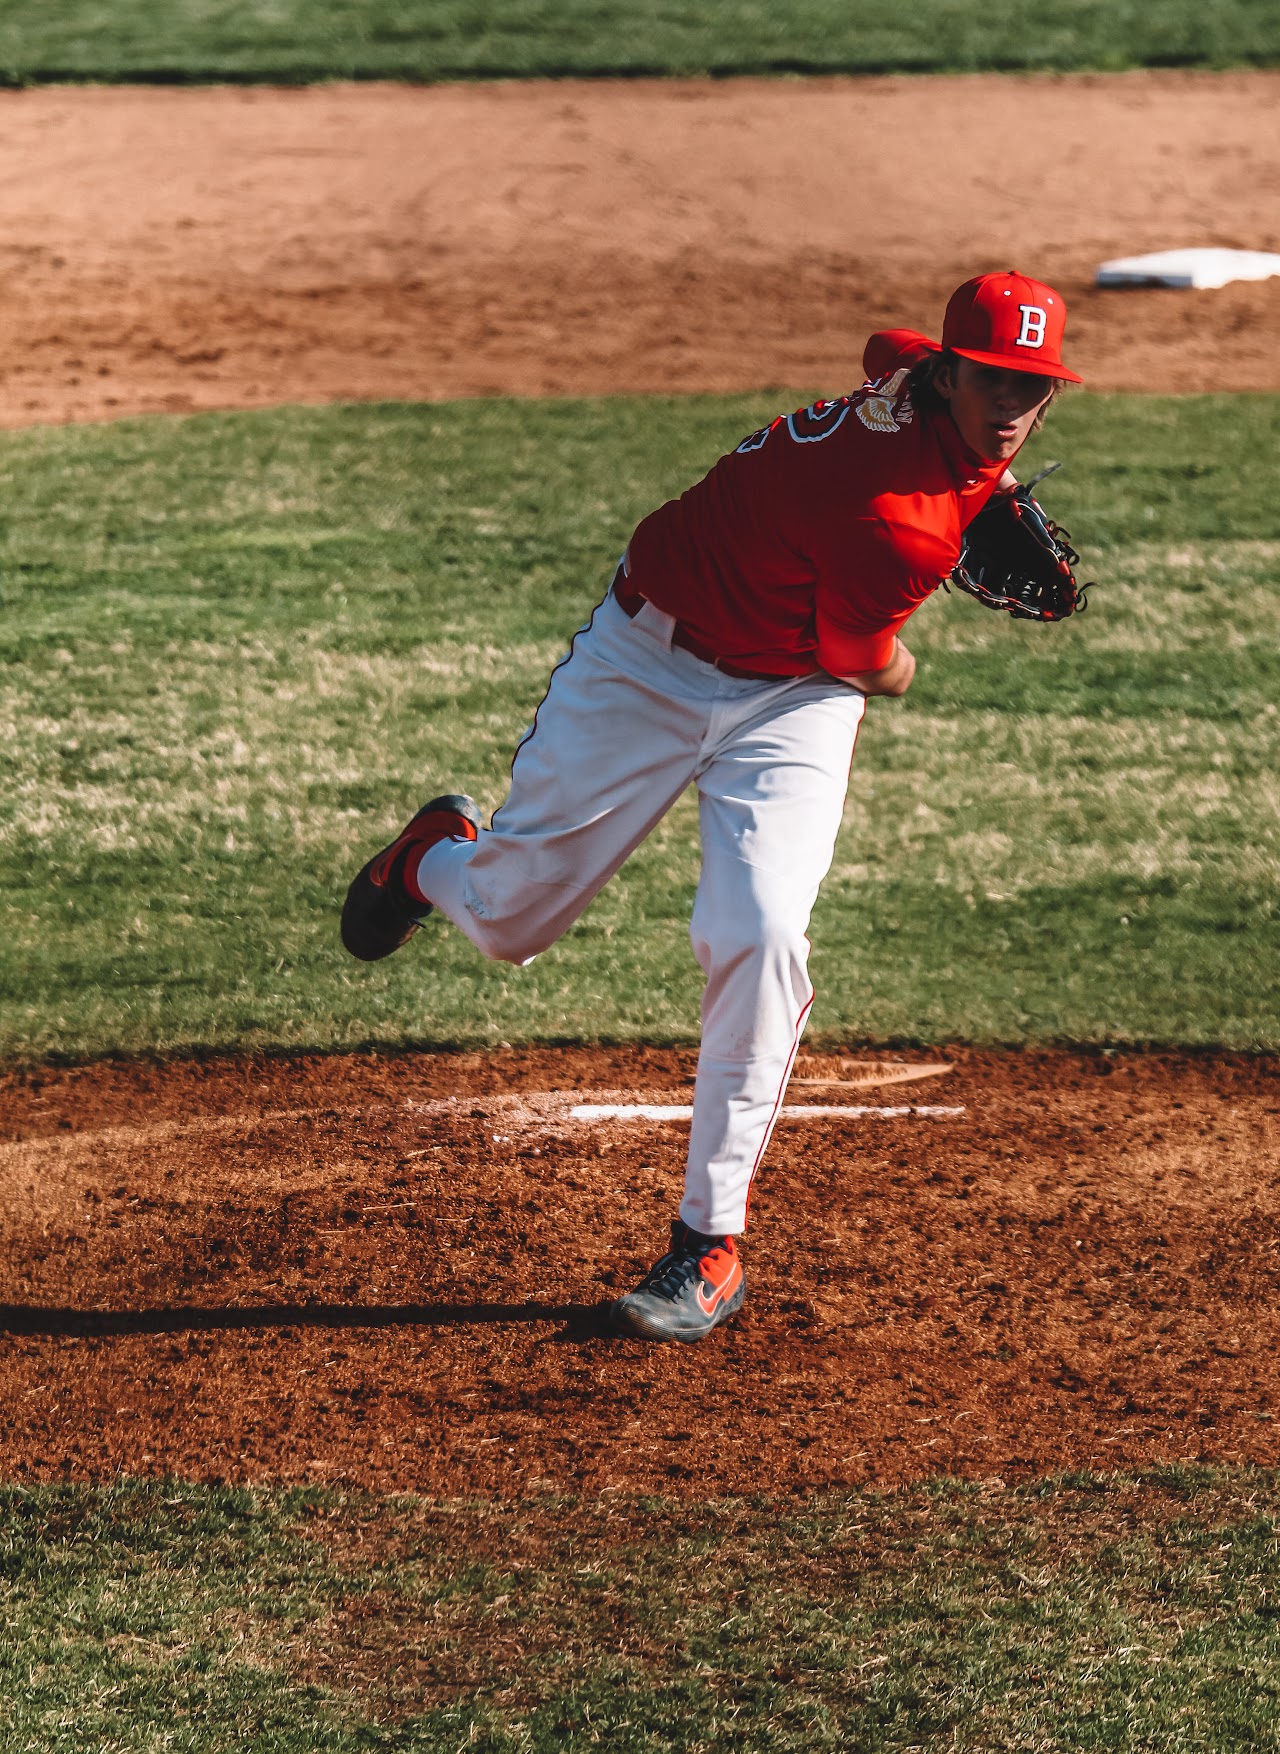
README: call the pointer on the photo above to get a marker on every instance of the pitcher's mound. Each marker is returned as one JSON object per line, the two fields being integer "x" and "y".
{"x": 393, "y": 1272}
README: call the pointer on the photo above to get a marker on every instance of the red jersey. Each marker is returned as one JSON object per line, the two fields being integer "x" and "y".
{"x": 808, "y": 546}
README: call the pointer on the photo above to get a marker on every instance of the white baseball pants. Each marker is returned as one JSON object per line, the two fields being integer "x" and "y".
{"x": 627, "y": 723}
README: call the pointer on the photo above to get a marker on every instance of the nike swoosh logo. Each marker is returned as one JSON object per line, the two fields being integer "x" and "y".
{"x": 709, "y": 1305}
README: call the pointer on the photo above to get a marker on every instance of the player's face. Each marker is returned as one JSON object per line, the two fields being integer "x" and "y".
{"x": 994, "y": 408}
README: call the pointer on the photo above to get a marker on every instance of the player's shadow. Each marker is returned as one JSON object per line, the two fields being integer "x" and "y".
{"x": 576, "y": 1320}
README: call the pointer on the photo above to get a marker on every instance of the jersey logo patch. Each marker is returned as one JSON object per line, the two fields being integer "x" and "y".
{"x": 886, "y": 407}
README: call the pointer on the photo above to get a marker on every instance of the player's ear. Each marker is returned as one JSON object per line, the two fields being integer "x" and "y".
{"x": 944, "y": 379}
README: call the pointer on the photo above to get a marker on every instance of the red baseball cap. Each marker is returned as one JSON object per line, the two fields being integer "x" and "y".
{"x": 1009, "y": 320}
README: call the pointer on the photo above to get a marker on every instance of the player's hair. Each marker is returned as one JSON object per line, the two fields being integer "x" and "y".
{"x": 927, "y": 398}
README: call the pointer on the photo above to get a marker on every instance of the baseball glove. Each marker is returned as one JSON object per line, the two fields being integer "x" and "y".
{"x": 1014, "y": 557}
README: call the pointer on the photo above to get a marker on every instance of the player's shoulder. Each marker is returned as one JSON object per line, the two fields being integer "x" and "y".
{"x": 890, "y": 349}
{"x": 882, "y": 406}
{"x": 833, "y": 424}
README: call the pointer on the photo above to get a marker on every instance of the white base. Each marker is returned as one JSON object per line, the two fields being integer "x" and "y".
{"x": 1189, "y": 268}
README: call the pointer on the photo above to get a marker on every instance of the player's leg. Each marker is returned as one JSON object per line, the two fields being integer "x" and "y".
{"x": 771, "y": 800}
{"x": 614, "y": 743}
{"x": 771, "y": 805}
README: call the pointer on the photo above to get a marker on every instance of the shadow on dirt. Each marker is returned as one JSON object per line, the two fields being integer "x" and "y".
{"x": 581, "y": 1320}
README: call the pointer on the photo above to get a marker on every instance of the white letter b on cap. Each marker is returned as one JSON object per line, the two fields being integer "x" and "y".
{"x": 1033, "y": 322}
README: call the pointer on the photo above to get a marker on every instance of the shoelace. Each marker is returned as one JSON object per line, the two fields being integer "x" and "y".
{"x": 669, "y": 1276}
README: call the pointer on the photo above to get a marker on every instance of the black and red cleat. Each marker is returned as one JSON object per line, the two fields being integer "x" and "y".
{"x": 381, "y": 913}
{"x": 696, "y": 1285}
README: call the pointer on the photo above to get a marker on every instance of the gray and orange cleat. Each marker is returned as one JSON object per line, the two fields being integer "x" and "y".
{"x": 381, "y": 912}
{"x": 697, "y": 1284}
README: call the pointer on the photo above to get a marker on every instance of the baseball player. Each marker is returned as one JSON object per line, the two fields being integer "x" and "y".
{"x": 747, "y": 626}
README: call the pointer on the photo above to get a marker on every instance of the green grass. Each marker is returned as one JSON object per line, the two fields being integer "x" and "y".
{"x": 1097, "y": 1612}
{"x": 235, "y": 651}
{"x": 303, "y": 40}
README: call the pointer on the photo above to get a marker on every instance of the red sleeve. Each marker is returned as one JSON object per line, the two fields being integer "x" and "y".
{"x": 889, "y": 349}
{"x": 840, "y": 653}
{"x": 888, "y": 565}
{"x": 857, "y": 634}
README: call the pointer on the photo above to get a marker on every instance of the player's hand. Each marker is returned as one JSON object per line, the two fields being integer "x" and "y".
{"x": 894, "y": 679}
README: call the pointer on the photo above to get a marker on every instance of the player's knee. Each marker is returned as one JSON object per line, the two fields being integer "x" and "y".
{"x": 755, "y": 932}
{"x": 515, "y": 925}
{"x": 513, "y": 941}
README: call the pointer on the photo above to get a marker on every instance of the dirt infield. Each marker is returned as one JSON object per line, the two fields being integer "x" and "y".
{"x": 172, "y": 250}
{"x": 390, "y": 1271}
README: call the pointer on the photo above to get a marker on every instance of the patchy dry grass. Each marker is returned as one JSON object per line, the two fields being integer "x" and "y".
{"x": 1089, "y": 1612}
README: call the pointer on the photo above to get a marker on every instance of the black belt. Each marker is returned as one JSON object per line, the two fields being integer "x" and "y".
{"x": 632, "y": 602}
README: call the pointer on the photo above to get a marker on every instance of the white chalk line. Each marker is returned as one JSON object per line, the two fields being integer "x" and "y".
{"x": 651, "y": 1111}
